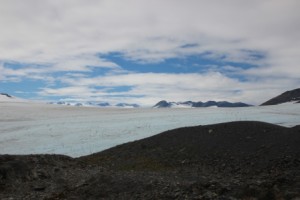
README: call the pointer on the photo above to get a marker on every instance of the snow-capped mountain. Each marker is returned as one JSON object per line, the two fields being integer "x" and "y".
{"x": 4, "y": 97}
{"x": 191, "y": 104}
{"x": 292, "y": 96}
{"x": 96, "y": 104}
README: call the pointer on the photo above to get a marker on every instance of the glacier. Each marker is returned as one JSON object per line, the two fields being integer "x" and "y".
{"x": 39, "y": 128}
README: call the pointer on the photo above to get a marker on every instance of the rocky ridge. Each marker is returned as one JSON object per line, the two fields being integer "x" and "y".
{"x": 288, "y": 96}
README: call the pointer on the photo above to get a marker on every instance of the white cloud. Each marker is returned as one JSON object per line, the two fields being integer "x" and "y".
{"x": 43, "y": 31}
{"x": 68, "y": 35}
{"x": 82, "y": 63}
{"x": 149, "y": 88}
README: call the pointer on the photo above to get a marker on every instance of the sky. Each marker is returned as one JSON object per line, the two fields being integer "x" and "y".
{"x": 141, "y": 51}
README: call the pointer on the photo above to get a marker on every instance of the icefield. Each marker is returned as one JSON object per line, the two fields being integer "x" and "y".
{"x": 37, "y": 128}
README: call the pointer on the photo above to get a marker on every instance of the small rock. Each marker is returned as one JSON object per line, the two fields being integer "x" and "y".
{"x": 39, "y": 187}
{"x": 56, "y": 169}
{"x": 210, "y": 195}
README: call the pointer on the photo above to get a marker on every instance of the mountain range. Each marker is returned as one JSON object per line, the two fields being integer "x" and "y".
{"x": 96, "y": 104}
{"x": 191, "y": 104}
{"x": 292, "y": 96}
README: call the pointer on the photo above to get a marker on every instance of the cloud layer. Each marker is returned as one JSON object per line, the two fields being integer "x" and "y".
{"x": 52, "y": 36}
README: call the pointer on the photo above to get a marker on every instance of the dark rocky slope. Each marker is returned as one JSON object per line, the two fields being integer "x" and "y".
{"x": 238, "y": 160}
{"x": 288, "y": 96}
{"x": 236, "y": 141}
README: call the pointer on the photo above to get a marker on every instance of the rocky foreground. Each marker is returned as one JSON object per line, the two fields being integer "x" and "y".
{"x": 238, "y": 160}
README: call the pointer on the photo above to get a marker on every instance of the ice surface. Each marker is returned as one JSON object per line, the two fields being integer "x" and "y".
{"x": 30, "y": 128}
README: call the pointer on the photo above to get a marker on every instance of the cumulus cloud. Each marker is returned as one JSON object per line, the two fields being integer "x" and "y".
{"x": 72, "y": 35}
{"x": 148, "y": 88}
{"x": 43, "y": 31}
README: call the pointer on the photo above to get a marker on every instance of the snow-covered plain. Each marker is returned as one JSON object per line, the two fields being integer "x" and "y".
{"x": 30, "y": 128}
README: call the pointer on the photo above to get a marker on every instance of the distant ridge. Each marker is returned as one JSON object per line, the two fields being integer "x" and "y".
{"x": 127, "y": 105}
{"x": 7, "y": 95}
{"x": 191, "y": 104}
{"x": 288, "y": 96}
{"x": 96, "y": 104}
{"x": 4, "y": 97}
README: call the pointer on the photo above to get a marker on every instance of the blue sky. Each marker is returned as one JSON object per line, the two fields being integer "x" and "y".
{"x": 137, "y": 51}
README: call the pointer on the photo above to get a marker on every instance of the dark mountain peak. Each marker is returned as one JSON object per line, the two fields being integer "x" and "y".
{"x": 198, "y": 104}
{"x": 5, "y": 94}
{"x": 288, "y": 96}
{"x": 187, "y": 102}
{"x": 229, "y": 104}
{"x": 209, "y": 103}
{"x": 103, "y": 104}
{"x": 162, "y": 104}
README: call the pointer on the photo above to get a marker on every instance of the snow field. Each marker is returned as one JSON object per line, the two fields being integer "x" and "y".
{"x": 30, "y": 128}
